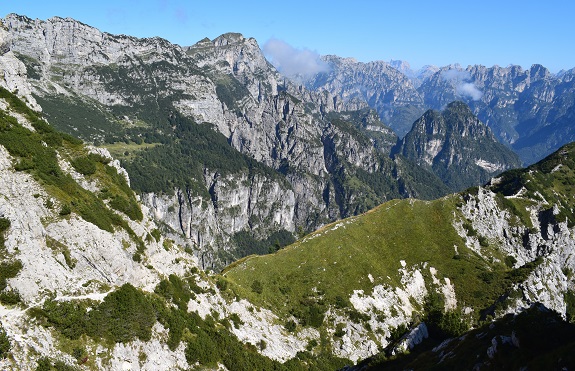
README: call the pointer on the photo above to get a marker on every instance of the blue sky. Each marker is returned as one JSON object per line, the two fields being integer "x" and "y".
{"x": 421, "y": 32}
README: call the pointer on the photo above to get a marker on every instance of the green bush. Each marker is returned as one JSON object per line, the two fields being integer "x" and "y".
{"x": 4, "y": 343}
{"x": 128, "y": 207}
{"x": 452, "y": 324}
{"x": 356, "y": 316}
{"x": 486, "y": 276}
{"x": 9, "y": 270}
{"x": 257, "y": 287}
{"x": 471, "y": 232}
{"x": 569, "y": 298}
{"x": 442, "y": 324}
{"x": 236, "y": 320}
{"x": 124, "y": 315}
{"x": 520, "y": 274}
{"x": 221, "y": 284}
{"x": 339, "y": 330}
{"x": 10, "y": 297}
{"x": 510, "y": 261}
{"x": 69, "y": 318}
{"x": 99, "y": 158}
{"x": 310, "y": 313}
{"x": 4, "y": 225}
{"x": 176, "y": 290}
{"x": 156, "y": 234}
{"x": 290, "y": 326}
{"x": 65, "y": 210}
{"x": 397, "y": 332}
{"x": 84, "y": 165}
{"x": 78, "y": 353}
{"x": 483, "y": 242}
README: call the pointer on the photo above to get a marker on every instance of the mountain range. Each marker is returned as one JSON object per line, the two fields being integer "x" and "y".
{"x": 528, "y": 110}
{"x": 132, "y": 170}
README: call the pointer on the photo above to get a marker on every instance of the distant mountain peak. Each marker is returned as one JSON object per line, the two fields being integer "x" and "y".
{"x": 456, "y": 146}
{"x": 229, "y": 38}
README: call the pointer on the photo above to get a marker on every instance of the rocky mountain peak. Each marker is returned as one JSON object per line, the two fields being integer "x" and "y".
{"x": 230, "y": 38}
{"x": 456, "y": 146}
{"x": 403, "y": 67}
{"x": 537, "y": 72}
{"x": 458, "y": 107}
{"x": 461, "y": 118}
{"x": 233, "y": 54}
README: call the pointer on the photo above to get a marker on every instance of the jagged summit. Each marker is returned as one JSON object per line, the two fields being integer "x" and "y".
{"x": 230, "y": 38}
{"x": 527, "y": 109}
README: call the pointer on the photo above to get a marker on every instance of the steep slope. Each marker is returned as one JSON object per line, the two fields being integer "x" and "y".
{"x": 451, "y": 262}
{"x": 88, "y": 281}
{"x": 457, "y": 147}
{"x": 220, "y": 146}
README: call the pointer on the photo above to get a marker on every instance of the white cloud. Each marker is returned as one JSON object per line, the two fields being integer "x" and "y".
{"x": 291, "y": 61}
{"x": 455, "y": 75}
{"x": 461, "y": 80}
{"x": 468, "y": 89}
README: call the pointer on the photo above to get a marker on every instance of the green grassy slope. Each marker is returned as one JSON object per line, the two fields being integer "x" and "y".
{"x": 331, "y": 263}
{"x": 359, "y": 253}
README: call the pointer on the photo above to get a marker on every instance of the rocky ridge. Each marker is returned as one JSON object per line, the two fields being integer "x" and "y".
{"x": 490, "y": 251}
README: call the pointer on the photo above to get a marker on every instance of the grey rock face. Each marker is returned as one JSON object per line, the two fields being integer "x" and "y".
{"x": 13, "y": 76}
{"x": 549, "y": 241}
{"x": 257, "y": 204}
